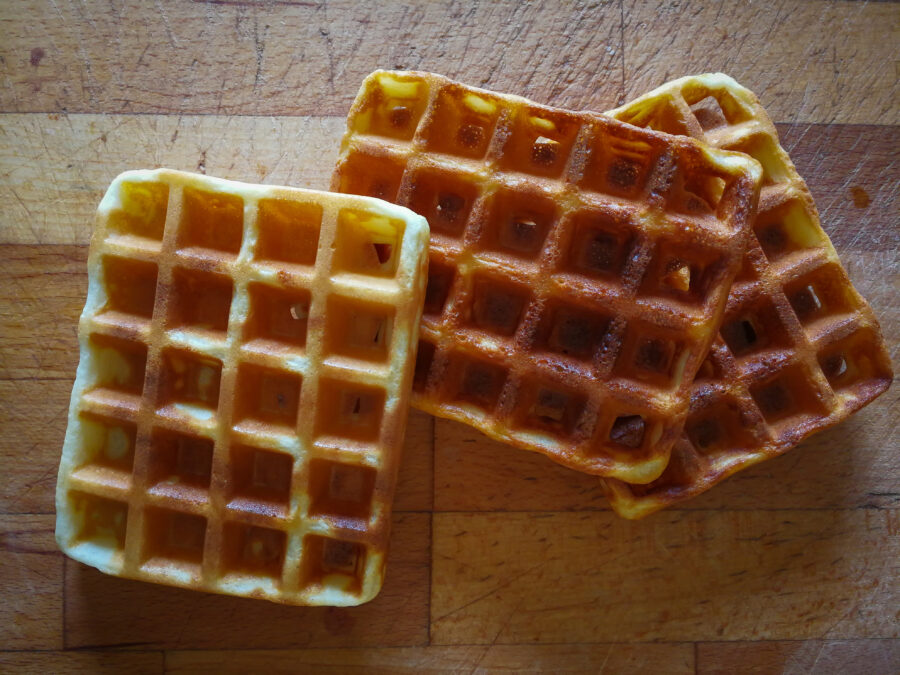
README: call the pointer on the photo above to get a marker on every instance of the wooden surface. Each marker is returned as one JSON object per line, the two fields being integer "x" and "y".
{"x": 500, "y": 559}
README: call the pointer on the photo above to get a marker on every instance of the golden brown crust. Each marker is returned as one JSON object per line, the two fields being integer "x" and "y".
{"x": 799, "y": 349}
{"x": 578, "y": 266}
{"x": 241, "y": 398}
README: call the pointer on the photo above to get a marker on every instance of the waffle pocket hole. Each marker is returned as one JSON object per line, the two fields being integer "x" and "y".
{"x": 540, "y": 143}
{"x": 101, "y": 521}
{"x": 340, "y": 490}
{"x": 261, "y": 476}
{"x": 108, "y": 442}
{"x": 370, "y": 176}
{"x": 659, "y": 360}
{"x": 212, "y": 220}
{"x": 575, "y": 333}
{"x": 394, "y": 104}
{"x": 521, "y": 221}
{"x": 628, "y": 431}
{"x": 359, "y": 330}
{"x": 253, "y": 550}
{"x": 367, "y": 243}
{"x": 758, "y": 328}
{"x": 190, "y": 381}
{"x": 130, "y": 285}
{"x": 618, "y": 165}
{"x": 173, "y": 536}
{"x": 288, "y": 231}
{"x": 350, "y": 411}
{"x": 444, "y": 199}
{"x": 709, "y": 114}
{"x": 786, "y": 229}
{"x": 118, "y": 364}
{"x": 600, "y": 244}
{"x": 180, "y": 460}
{"x": 267, "y": 395}
{"x": 818, "y": 294}
{"x": 497, "y": 306}
{"x": 333, "y": 564}
{"x": 555, "y": 411}
{"x": 142, "y": 210}
{"x": 785, "y": 396}
{"x": 718, "y": 429}
{"x": 700, "y": 193}
{"x": 276, "y": 314}
{"x": 480, "y": 383}
{"x": 200, "y": 300}
{"x": 684, "y": 273}
{"x": 470, "y": 119}
{"x": 852, "y": 360}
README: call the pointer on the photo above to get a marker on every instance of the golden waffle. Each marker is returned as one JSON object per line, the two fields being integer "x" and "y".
{"x": 241, "y": 398}
{"x": 578, "y": 266}
{"x": 799, "y": 349}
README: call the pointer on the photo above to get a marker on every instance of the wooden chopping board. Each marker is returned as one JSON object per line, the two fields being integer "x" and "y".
{"x": 500, "y": 559}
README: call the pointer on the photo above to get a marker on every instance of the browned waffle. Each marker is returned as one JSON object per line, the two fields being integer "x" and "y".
{"x": 799, "y": 349}
{"x": 241, "y": 398}
{"x": 578, "y": 266}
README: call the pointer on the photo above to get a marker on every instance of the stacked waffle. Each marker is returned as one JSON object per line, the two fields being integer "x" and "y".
{"x": 646, "y": 295}
{"x": 584, "y": 299}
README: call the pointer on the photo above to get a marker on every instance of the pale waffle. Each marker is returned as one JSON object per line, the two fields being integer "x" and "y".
{"x": 578, "y": 266}
{"x": 241, "y": 398}
{"x": 799, "y": 349}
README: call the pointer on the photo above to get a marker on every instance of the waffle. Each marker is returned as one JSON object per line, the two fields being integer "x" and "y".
{"x": 578, "y": 266}
{"x": 799, "y": 349}
{"x": 241, "y": 398}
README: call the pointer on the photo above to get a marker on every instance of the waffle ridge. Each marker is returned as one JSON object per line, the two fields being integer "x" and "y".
{"x": 578, "y": 266}
{"x": 799, "y": 349}
{"x": 241, "y": 396}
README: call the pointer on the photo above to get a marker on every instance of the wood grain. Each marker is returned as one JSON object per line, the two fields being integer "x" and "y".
{"x": 808, "y": 61}
{"x": 104, "y": 611}
{"x": 31, "y": 584}
{"x": 277, "y": 58}
{"x": 591, "y": 577}
{"x": 788, "y": 567}
{"x": 813, "y": 657}
{"x": 74, "y": 663}
{"x": 672, "y": 659}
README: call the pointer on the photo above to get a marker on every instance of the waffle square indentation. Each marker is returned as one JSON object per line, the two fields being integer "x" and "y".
{"x": 253, "y": 550}
{"x": 142, "y": 210}
{"x": 211, "y": 220}
{"x": 463, "y": 122}
{"x": 173, "y": 538}
{"x": 180, "y": 464}
{"x": 101, "y": 521}
{"x": 130, "y": 285}
{"x": 359, "y": 330}
{"x": 267, "y": 396}
{"x": 288, "y": 231}
{"x": 393, "y": 106}
{"x": 118, "y": 364}
{"x": 367, "y": 243}
{"x": 444, "y": 198}
{"x": 200, "y": 301}
{"x": 333, "y": 564}
{"x": 190, "y": 382}
{"x": 260, "y": 480}
{"x": 280, "y": 315}
{"x": 349, "y": 410}
{"x": 340, "y": 490}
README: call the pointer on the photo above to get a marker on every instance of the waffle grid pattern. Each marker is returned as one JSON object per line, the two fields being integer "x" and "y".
{"x": 578, "y": 267}
{"x": 799, "y": 349}
{"x": 240, "y": 402}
